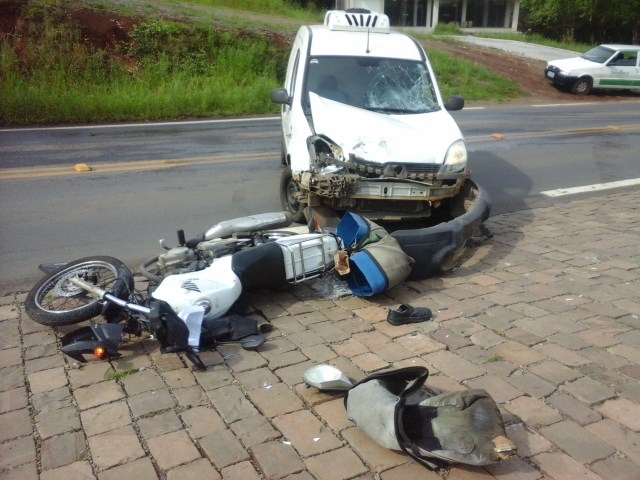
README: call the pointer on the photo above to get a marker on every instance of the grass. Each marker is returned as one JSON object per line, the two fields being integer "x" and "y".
{"x": 119, "y": 375}
{"x": 459, "y": 77}
{"x": 200, "y": 64}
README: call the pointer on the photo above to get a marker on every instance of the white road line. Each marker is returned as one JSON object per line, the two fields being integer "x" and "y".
{"x": 150, "y": 124}
{"x": 563, "y": 104}
{"x": 559, "y": 192}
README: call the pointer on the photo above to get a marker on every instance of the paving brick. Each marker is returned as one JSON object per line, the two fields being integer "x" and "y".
{"x": 452, "y": 340}
{"x": 531, "y": 384}
{"x": 254, "y": 430}
{"x": 577, "y": 441}
{"x": 53, "y": 400}
{"x": 588, "y": 391}
{"x": 142, "y": 381}
{"x": 420, "y": 344}
{"x": 215, "y": 377}
{"x": 223, "y": 449}
{"x": 172, "y": 449}
{"x": 533, "y": 411}
{"x": 59, "y": 421}
{"x": 306, "y": 433}
{"x": 147, "y": 403}
{"x": 240, "y": 360}
{"x": 376, "y": 457}
{"x": 334, "y": 414}
{"x": 105, "y": 417}
{"x": 202, "y": 421}
{"x": 159, "y": 424}
{"x": 293, "y": 374}
{"x": 13, "y": 399}
{"x": 62, "y": 450}
{"x": 528, "y": 442}
{"x": 555, "y": 372}
{"x": 47, "y": 380}
{"x": 499, "y": 389}
{"x": 621, "y": 438}
{"x": 89, "y": 373}
{"x": 411, "y": 471}
{"x": 275, "y": 400}
{"x": 339, "y": 464}
{"x": 199, "y": 470}
{"x": 574, "y": 409}
{"x": 78, "y": 471}
{"x": 516, "y": 353}
{"x": 277, "y": 459}
{"x": 97, "y": 394}
{"x": 141, "y": 469}
{"x": 616, "y": 469}
{"x": 622, "y": 411}
{"x": 453, "y": 365}
{"x": 240, "y": 471}
{"x": 115, "y": 447}
{"x": 15, "y": 424}
{"x": 559, "y": 465}
{"x": 369, "y": 362}
{"x": 16, "y": 452}
{"x": 10, "y": 357}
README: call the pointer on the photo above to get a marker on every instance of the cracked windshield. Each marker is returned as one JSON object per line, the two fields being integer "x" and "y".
{"x": 378, "y": 84}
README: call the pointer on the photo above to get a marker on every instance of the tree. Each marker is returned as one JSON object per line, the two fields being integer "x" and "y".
{"x": 589, "y": 21}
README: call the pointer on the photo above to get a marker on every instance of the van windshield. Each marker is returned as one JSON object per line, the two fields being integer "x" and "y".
{"x": 599, "y": 54}
{"x": 385, "y": 85}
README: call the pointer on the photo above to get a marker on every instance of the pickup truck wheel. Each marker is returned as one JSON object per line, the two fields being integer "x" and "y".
{"x": 582, "y": 86}
{"x": 288, "y": 189}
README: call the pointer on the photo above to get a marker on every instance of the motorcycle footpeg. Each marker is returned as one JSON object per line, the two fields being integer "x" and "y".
{"x": 195, "y": 359}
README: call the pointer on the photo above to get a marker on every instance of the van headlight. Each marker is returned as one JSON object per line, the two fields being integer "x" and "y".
{"x": 456, "y": 158}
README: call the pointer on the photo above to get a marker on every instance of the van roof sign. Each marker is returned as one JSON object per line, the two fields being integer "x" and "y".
{"x": 356, "y": 20}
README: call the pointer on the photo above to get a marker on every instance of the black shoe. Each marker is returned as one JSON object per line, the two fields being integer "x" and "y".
{"x": 408, "y": 314}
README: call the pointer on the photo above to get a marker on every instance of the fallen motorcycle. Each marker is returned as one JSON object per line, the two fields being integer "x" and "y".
{"x": 191, "y": 290}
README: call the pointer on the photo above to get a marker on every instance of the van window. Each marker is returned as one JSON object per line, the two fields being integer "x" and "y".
{"x": 382, "y": 84}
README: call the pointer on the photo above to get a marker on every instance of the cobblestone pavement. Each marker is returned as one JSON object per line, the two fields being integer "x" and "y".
{"x": 545, "y": 316}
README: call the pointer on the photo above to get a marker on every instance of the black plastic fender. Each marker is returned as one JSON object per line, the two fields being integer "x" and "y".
{"x": 436, "y": 248}
{"x": 86, "y": 339}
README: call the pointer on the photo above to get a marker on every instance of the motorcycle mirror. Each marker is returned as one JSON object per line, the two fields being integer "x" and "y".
{"x": 252, "y": 342}
{"x": 326, "y": 377}
{"x": 163, "y": 244}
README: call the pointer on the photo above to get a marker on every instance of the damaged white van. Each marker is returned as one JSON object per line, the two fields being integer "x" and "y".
{"x": 364, "y": 126}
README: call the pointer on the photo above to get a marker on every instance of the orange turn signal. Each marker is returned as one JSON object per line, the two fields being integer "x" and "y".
{"x": 100, "y": 352}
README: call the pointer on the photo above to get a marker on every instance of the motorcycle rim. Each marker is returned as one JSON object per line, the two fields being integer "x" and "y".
{"x": 55, "y": 301}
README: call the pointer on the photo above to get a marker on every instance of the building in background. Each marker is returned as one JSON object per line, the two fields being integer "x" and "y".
{"x": 428, "y": 13}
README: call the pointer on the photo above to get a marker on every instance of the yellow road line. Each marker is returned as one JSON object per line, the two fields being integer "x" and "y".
{"x": 142, "y": 165}
{"x": 159, "y": 164}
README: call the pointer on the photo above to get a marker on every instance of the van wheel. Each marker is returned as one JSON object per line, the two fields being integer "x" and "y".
{"x": 582, "y": 86}
{"x": 288, "y": 190}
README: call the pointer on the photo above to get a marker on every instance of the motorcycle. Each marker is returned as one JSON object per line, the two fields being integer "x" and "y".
{"x": 191, "y": 288}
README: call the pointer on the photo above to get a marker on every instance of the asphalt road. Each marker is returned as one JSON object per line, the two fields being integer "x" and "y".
{"x": 151, "y": 179}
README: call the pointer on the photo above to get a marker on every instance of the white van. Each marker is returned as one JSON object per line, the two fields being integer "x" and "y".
{"x": 364, "y": 126}
{"x": 608, "y": 66}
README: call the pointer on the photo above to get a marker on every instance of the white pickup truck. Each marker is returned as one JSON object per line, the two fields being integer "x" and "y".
{"x": 364, "y": 126}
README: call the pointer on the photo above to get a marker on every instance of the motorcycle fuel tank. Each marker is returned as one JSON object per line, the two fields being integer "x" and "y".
{"x": 215, "y": 288}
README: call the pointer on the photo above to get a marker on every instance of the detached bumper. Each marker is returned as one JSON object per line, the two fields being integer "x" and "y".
{"x": 436, "y": 249}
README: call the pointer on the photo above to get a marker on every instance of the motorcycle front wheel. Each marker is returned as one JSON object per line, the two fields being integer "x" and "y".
{"x": 55, "y": 301}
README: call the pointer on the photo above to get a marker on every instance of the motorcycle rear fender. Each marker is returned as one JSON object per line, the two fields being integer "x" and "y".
{"x": 86, "y": 339}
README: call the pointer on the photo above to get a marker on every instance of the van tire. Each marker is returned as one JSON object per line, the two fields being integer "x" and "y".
{"x": 287, "y": 190}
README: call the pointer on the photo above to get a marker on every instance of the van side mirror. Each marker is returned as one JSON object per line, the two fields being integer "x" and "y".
{"x": 280, "y": 96}
{"x": 454, "y": 103}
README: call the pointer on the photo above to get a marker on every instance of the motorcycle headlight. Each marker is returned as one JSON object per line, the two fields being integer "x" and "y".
{"x": 456, "y": 158}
